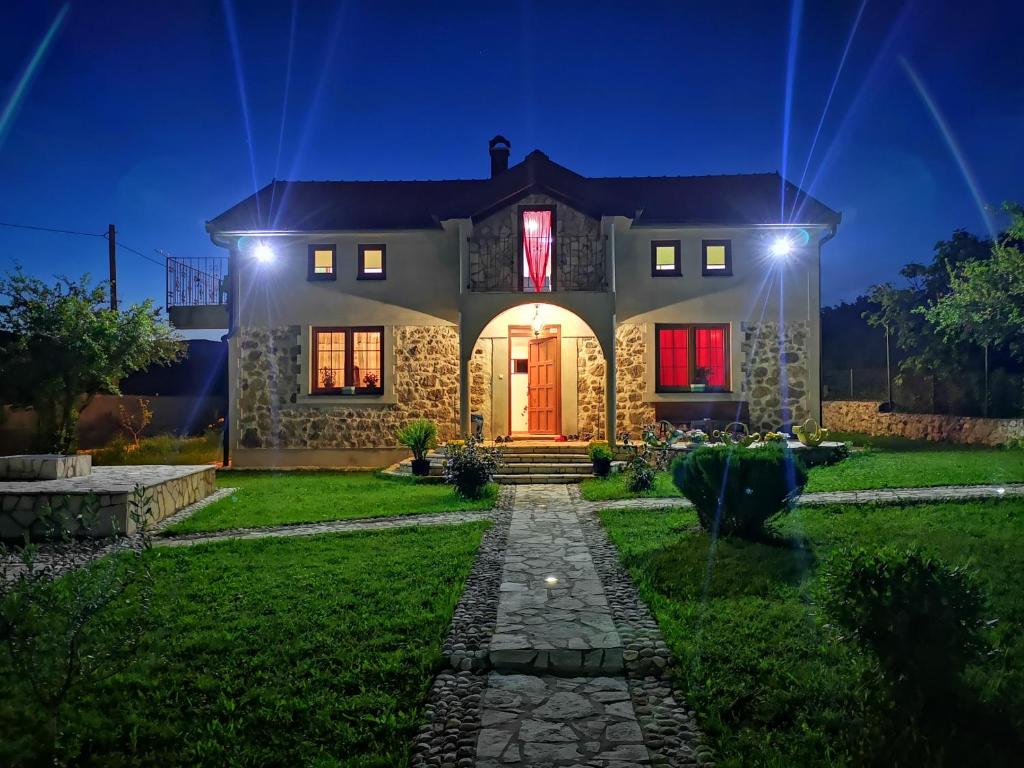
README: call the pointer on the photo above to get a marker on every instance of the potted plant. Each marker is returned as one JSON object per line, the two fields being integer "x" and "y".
{"x": 419, "y": 436}
{"x": 700, "y": 379}
{"x": 601, "y": 456}
{"x": 371, "y": 380}
{"x": 327, "y": 378}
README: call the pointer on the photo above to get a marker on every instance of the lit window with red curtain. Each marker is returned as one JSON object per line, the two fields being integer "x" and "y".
{"x": 537, "y": 248}
{"x": 673, "y": 357}
{"x": 681, "y": 349}
{"x": 710, "y": 348}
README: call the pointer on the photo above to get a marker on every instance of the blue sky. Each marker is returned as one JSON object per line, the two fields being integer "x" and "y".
{"x": 134, "y": 115}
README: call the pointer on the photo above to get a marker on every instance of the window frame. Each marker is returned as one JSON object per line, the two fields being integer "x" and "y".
{"x": 312, "y": 274}
{"x": 349, "y": 331}
{"x": 691, "y": 352}
{"x": 361, "y": 273}
{"x": 677, "y": 270}
{"x": 727, "y": 271}
{"x": 520, "y": 251}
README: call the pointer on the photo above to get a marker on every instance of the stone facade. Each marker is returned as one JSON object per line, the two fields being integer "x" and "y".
{"x": 633, "y": 413}
{"x": 590, "y": 372}
{"x": 775, "y": 374}
{"x": 864, "y": 416}
{"x": 424, "y": 372}
{"x": 168, "y": 489}
{"x": 480, "y": 380}
{"x": 494, "y": 247}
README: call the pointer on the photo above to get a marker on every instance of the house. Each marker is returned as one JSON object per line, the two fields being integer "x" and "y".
{"x": 540, "y": 301}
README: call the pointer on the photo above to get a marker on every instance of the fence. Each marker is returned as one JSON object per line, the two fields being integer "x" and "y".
{"x": 197, "y": 282}
{"x": 1001, "y": 395}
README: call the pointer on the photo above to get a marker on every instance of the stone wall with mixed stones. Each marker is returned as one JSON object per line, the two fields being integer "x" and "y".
{"x": 589, "y": 387}
{"x": 632, "y": 412}
{"x": 480, "y": 382}
{"x": 864, "y": 416}
{"x": 769, "y": 355}
{"x": 493, "y": 248}
{"x": 425, "y": 371}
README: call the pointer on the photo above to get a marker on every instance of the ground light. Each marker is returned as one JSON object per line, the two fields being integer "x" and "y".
{"x": 551, "y": 581}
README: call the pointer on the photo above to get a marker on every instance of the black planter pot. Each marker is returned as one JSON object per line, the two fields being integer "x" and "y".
{"x": 421, "y": 467}
{"x": 602, "y": 467}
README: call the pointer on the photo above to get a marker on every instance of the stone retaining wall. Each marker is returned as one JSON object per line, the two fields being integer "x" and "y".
{"x": 863, "y": 416}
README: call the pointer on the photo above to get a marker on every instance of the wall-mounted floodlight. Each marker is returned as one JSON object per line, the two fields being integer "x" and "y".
{"x": 781, "y": 247}
{"x": 263, "y": 253}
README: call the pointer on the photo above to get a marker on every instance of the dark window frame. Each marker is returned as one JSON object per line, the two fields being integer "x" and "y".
{"x": 727, "y": 272}
{"x": 691, "y": 352}
{"x": 349, "y": 331}
{"x": 312, "y": 274}
{"x": 677, "y": 270}
{"x": 361, "y": 274}
{"x": 521, "y": 255}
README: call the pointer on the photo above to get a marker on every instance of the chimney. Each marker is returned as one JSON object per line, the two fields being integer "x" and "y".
{"x": 499, "y": 147}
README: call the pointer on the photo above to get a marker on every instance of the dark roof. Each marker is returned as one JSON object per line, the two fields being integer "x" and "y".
{"x": 650, "y": 200}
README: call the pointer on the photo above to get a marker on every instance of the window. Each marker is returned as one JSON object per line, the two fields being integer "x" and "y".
{"x": 688, "y": 355}
{"x": 372, "y": 262}
{"x": 348, "y": 357}
{"x": 538, "y": 252}
{"x": 717, "y": 258}
{"x": 666, "y": 258}
{"x": 322, "y": 262}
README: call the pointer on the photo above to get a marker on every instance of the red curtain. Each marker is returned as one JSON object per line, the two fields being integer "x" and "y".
{"x": 673, "y": 357}
{"x": 710, "y": 349}
{"x": 537, "y": 245}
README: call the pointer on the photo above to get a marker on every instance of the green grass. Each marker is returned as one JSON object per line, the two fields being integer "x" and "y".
{"x": 915, "y": 467}
{"x": 267, "y": 498}
{"x": 162, "y": 449}
{"x": 774, "y": 686}
{"x": 307, "y": 651}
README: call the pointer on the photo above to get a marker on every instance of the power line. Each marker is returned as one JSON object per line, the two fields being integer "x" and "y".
{"x": 137, "y": 252}
{"x": 51, "y": 229}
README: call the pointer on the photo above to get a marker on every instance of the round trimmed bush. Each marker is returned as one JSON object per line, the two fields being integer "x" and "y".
{"x": 922, "y": 617}
{"x": 737, "y": 490}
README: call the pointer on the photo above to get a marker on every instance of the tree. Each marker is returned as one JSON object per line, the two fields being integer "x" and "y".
{"x": 60, "y": 345}
{"x": 984, "y": 303}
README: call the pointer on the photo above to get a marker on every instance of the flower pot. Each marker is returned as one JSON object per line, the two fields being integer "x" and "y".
{"x": 698, "y": 387}
{"x": 421, "y": 467}
{"x": 602, "y": 467}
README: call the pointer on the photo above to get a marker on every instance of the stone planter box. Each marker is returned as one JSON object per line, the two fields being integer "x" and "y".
{"x": 167, "y": 488}
{"x": 44, "y": 467}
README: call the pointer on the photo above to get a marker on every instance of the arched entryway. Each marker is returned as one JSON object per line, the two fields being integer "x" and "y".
{"x": 537, "y": 369}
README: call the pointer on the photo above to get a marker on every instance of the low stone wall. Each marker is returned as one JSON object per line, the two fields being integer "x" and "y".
{"x": 864, "y": 416}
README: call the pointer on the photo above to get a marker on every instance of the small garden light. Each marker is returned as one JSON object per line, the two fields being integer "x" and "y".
{"x": 551, "y": 581}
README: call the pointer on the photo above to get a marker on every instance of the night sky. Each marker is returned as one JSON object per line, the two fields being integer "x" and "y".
{"x": 135, "y": 114}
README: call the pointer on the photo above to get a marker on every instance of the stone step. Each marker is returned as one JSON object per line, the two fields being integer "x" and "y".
{"x": 538, "y": 468}
{"x": 540, "y": 479}
{"x": 547, "y": 458}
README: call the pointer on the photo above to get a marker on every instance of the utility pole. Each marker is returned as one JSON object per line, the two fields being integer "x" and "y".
{"x": 112, "y": 254}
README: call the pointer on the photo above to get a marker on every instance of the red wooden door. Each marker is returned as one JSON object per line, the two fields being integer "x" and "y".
{"x": 542, "y": 380}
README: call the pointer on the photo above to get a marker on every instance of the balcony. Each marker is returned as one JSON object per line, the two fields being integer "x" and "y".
{"x": 495, "y": 264}
{"x": 197, "y": 292}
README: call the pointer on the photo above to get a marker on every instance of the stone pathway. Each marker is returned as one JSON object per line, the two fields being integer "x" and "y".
{"x": 574, "y": 674}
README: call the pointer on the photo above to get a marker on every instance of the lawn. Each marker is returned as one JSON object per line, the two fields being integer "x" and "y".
{"x": 912, "y": 465}
{"x": 306, "y": 651}
{"x": 771, "y": 684}
{"x": 162, "y": 449}
{"x": 267, "y": 498}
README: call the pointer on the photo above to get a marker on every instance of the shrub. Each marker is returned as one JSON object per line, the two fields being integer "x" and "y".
{"x": 639, "y": 470}
{"x": 922, "y": 617}
{"x": 419, "y": 436}
{"x": 737, "y": 490}
{"x": 469, "y": 466}
{"x": 601, "y": 457}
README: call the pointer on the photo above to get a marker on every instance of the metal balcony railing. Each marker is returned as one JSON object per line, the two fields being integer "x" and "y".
{"x": 494, "y": 264}
{"x": 197, "y": 282}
